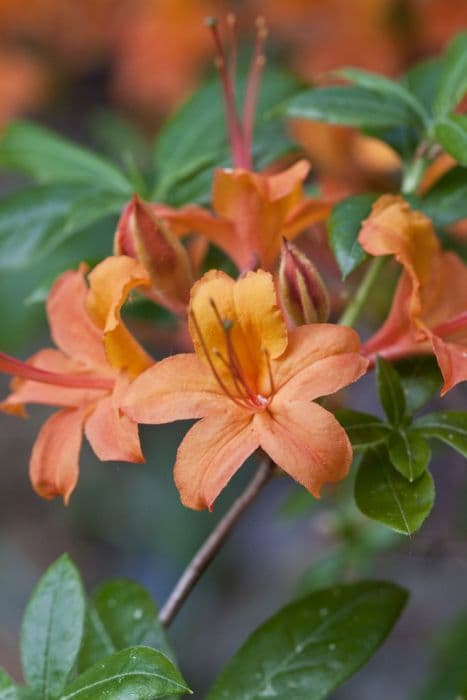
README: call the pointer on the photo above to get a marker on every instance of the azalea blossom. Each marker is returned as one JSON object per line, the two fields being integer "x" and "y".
{"x": 252, "y": 383}
{"x": 429, "y": 310}
{"x": 86, "y": 375}
{"x": 253, "y": 211}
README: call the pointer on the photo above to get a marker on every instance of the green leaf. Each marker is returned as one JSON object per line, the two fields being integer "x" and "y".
{"x": 453, "y": 79}
{"x": 194, "y": 139}
{"x": 446, "y": 202}
{"x": 8, "y": 689}
{"x": 448, "y": 426}
{"x": 352, "y": 106}
{"x": 344, "y": 226}
{"x": 421, "y": 379}
{"x": 312, "y": 646}
{"x": 37, "y": 220}
{"x": 137, "y": 672}
{"x": 409, "y": 453}
{"x": 384, "y": 495}
{"x": 120, "y": 614}
{"x": 49, "y": 158}
{"x": 423, "y": 80}
{"x": 451, "y": 133}
{"x": 52, "y": 629}
{"x": 390, "y": 392}
{"x": 363, "y": 429}
{"x": 387, "y": 88}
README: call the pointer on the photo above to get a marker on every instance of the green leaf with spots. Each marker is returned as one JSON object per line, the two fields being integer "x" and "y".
{"x": 344, "y": 226}
{"x": 453, "y": 79}
{"x": 313, "y": 645}
{"x": 391, "y": 393}
{"x": 448, "y": 426}
{"x": 451, "y": 133}
{"x": 409, "y": 453}
{"x": 120, "y": 614}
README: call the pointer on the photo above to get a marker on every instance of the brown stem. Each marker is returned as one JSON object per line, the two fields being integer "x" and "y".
{"x": 214, "y": 542}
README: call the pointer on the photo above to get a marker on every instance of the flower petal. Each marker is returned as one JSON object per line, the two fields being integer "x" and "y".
{"x": 306, "y": 441}
{"x": 177, "y": 388}
{"x": 70, "y": 325}
{"x": 110, "y": 283}
{"x": 210, "y": 454}
{"x": 256, "y": 326}
{"x": 54, "y": 466}
{"x": 309, "y": 344}
{"x": 452, "y": 361}
{"x": 111, "y": 434}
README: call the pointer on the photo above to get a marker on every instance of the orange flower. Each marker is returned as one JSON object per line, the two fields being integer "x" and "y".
{"x": 429, "y": 310}
{"x": 86, "y": 376}
{"x": 254, "y": 211}
{"x": 251, "y": 383}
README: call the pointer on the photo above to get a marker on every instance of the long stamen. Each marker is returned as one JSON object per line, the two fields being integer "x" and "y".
{"x": 241, "y": 390}
{"x": 254, "y": 79}
{"x": 211, "y": 363}
{"x": 271, "y": 378}
{"x": 16, "y": 368}
{"x": 234, "y": 364}
{"x": 239, "y": 155}
{"x": 233, "y": 41}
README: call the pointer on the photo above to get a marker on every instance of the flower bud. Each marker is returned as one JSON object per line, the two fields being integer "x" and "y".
{"x": 302, "y": 290}
{"x": 142, "y": 235}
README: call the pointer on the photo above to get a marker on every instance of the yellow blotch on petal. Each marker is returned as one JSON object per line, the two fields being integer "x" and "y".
{"x": 109, "y": 286}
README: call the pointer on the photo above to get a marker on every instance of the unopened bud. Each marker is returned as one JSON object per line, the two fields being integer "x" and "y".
{"x": 142, "y": 235}
{"x": 302, "y": 290}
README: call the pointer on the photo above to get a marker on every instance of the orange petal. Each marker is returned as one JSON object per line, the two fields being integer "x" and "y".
{"x": 452, "y": 360}
{"x": 54, "y": 466}
{"x": 289, "y": 181}
{"x": 393, "y": 228}
{"x": 110, "y": 284}
{"x": 177, "y": 388}
{"x": 26, "y": 391}
{"x": 306, "y": 441}
{"x": 307, "y": 213}
{"x": 310, "y": 344}
{"x": 249, "y": 306}
{"x": 210, "y": 454}
{"x": 70, "y": 325}
{"x": 111, "y": 434}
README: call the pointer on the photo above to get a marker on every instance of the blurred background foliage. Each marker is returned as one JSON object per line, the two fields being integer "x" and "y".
{"x": 106, "y": 73}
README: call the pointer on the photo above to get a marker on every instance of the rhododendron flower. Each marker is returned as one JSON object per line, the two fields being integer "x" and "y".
{"x": 85, "y": 376}
{"x": 429, "y": 310}
{"x": 251, "y": 383}
{"x": 253, "y": 211}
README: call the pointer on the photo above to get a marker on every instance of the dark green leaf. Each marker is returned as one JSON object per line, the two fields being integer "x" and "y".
{"x": 409, "y": 453}
{"x": 387, "y": 88}
{"x": 390, "y": 392}
{"x": 52, "y": 629}
{"x": 363, "y": 429}
{"x": 312, "y": 646}
{"x": 353, "y": 106}
{"x": 49, "y": 158}
{"x": 453, "y": 79}
{"x": 194, "y": 140}
{"x": 137, "y": 672}
{"x": 446, "y": 202}
{"x": 120, "y": 614}
{"x": 421, "y": 379}
{"x": 384, "y": 495}
{"x": 37, "y": 220}
{"x": 8, "y": 689}
{"x": 448, "y": 426}
{"x": 451, "y": 133}
{"x": 344, "y": 226}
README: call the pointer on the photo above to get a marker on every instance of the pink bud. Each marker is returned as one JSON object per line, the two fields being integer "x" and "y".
{"x": 142, "y": 235}
{"x": 302, "y": 290}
